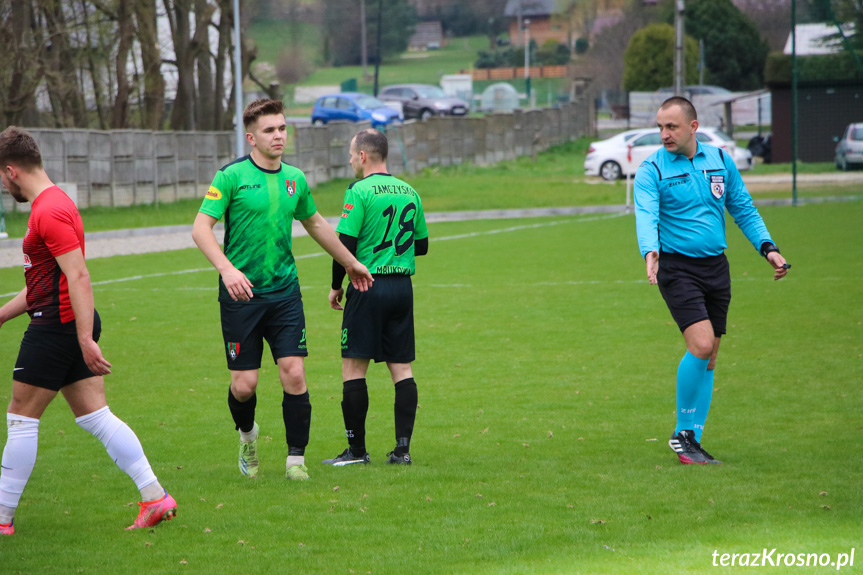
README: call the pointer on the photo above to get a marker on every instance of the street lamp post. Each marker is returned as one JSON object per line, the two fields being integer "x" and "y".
{"x": 527, "y": 58}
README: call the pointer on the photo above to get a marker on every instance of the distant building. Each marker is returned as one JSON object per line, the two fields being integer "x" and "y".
{"x": 543, "y": 25}
{"x": 824, "y": 106}
{"x": 427, "y": 36}
{"x": 818, "y": 39}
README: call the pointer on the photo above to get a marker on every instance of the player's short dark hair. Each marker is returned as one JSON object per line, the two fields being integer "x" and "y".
{"x": 261, "y": 107}
{"x": 374, "y": 143}
{"x": 19, "y": 148}
{"x": 685, "y": 105}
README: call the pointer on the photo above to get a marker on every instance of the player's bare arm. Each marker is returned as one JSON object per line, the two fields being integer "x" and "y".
{"x": 14, "y": 307}
{"x": 81, "y": 295}
{"x": 323, "y": 233}
{"x": 238, "y": 285}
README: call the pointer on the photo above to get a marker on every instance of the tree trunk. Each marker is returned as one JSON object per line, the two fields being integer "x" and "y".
{"x": 223, "y": 54}
{"x": 62, "y": 78}
{"x": 18, "y": 56}
{"x": 206, "y": 94}
{"x": 153, "y": 108}
{"x": 125, "y": 32}
{"x": 95, "y": 71}
{"x": 183, "y": 111}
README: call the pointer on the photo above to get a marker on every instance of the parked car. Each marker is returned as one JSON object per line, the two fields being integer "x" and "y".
{"x": 621, "y": 155}
{"x": 423, "y": 101}
{"x": 353, "y": 107}
{"x": 849, "y": 148}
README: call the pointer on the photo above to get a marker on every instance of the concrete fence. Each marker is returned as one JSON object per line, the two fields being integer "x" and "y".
{"x": 126, "y": 167}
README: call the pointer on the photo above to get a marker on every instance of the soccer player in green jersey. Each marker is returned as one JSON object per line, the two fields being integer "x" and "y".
{"x": 383, "y": 224}
{"x": 259, "y": 295}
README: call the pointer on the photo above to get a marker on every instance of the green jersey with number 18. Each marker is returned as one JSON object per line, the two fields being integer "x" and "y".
{"x": 385, "y": 215}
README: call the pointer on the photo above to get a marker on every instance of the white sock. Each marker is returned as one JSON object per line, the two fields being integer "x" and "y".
{"x": 19, "y": 457}
{"x": 125, "y": 449}
{"x": 295, "y": 460}
{"x": 249, "y": 436}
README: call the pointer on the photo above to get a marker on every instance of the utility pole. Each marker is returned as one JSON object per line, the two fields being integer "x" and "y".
{"x": 527, "y": 59}
{"x": 378, "y": 58}
{"x": 364, "y": 50}
{"x": 240, "y": 131}
{"x": 679, "y": 55}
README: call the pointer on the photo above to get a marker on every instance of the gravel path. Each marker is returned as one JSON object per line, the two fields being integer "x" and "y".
{"x": 168, "y": 238}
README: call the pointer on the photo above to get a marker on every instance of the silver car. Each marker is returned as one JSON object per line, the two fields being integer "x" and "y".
{"x": 849, "y": 148}
{"x": 423, "y": 101}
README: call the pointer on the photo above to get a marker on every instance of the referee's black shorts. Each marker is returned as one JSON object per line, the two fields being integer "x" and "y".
{"x": 378, "y": 324}
{"x": 50, "y": 356}
{"x": 695, "y": 289}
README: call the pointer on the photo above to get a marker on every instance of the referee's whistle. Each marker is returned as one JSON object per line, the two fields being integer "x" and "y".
{"x": 786, "y": 266}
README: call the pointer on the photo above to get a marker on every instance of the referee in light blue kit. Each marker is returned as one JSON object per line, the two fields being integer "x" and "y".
{"x": 681, "y": 194}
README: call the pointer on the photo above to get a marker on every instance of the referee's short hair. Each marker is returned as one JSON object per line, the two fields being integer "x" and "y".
{"x": 373, "y": 143}
{"x": 685, "y": 105}
{"x": 19, "y": 148}
{"x": 261, "y": 107}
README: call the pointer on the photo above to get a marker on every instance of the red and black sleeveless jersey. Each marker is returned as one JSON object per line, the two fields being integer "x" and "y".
{"x": 54, "y": 228}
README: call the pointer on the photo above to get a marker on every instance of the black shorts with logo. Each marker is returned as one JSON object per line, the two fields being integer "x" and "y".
{"x": 695, "y": 289}
{"x": 50, "y": 356}
{"x": 246, "y": 324}
{"x": 379, "y": 323}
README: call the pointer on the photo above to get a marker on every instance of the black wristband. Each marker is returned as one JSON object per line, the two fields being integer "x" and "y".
{"x": 768, "y": 247}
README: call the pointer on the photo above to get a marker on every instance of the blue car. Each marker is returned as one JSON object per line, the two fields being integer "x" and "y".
{"x": 353, "y": 107}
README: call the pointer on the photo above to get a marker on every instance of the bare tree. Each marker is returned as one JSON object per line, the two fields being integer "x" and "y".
{"x": 151, "y": 60}
{"x": 771, "y": 17}
{"x": 60, "y": 66}
{"x": 183, "y": 111}
{"x": 20, "y": 58}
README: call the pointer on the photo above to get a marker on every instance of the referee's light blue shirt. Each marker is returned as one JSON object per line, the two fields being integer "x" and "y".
{"x": 680, "y": 203}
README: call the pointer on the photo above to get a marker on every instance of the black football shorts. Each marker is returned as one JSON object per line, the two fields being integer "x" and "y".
{"x": 246, "y": 324}
{"x": 378, "y": 324}
{"x": 50, "y": 356}
{"x": 696, "y": 289}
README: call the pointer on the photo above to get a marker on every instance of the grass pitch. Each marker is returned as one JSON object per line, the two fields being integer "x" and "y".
{"x": 546, "y": 378}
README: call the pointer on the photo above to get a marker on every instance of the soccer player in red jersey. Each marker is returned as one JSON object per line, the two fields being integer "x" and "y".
{"x": 60, "y": 350}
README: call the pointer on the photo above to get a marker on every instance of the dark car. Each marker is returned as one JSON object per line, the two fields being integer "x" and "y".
{"x": 353, "y": 107}
{"x": 423, "y": 101}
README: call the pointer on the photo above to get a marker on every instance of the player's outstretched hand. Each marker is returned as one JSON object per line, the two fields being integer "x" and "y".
{"x": 361, "y": 279}
{"x": 652, "y": 263}
{"x": 93, "y": 358}
{"x": 780, "y": 266}
{"x": 238, "y": 285}
{"x": 336, "y": 299}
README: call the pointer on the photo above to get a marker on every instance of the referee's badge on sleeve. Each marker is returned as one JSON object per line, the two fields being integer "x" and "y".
{"x": 717, "y": 186}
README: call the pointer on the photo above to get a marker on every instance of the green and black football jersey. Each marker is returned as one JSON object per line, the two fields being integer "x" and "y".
{"x": 385, "y": 215}
{"x": 259, "y": 207}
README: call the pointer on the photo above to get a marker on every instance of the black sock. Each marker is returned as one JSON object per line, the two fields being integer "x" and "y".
{"x": 243, "y": 412}
{"x": 405, "y": 414}
{"x": 297, "y": 413}
{"x": 355, "y": 406}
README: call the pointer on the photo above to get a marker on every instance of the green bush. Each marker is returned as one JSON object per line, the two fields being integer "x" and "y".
{"x": 823, "y": 68}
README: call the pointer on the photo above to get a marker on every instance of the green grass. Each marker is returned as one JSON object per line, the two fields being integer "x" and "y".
{"x": 556, "y": 178}
{"x": 546, "y": 378}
